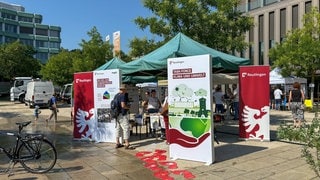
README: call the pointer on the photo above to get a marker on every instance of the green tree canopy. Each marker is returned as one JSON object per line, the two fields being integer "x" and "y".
{"x": 214, "y": 23}
{"x": 59, "y": 68}
{"x": 299, "y": 54}
{"x": 17, "y": 59}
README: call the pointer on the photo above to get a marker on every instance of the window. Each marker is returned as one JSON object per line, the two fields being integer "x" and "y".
{"x": 28, "y": 42}
{"x": 41, "y": 43}
{"x": 26, "y": 30}
{"x": 283, "y": 23}
{"x": 43, "y": 32}
{"x": 37, "y": 20}
{"x": 261, "y": 43}
{"x": 8, "y": 16}
{"x": 9, "y": 39}
{"x": 54, "y": 45}
{"x": 43, "y": 57}
{"x": 295, "y": 17}
{"x": 54, "y": 33}
{"x": 25, "y": 19}
{"x": 308, "y": 6}
{"x": 10, "y": 28}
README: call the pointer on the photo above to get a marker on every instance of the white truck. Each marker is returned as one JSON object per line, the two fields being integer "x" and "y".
{"x": 17, "y": 92}
{"x": 38, "y": 93}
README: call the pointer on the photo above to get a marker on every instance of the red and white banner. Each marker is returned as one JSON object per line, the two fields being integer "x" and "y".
{"x": 93, "y": 92}
{"x": 83, "y": 105}
{"x": 254, "y": 118}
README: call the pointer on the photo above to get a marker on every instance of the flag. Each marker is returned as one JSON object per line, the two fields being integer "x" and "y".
{"x": 116, "y": 42}
{"x": 107, "y": 38}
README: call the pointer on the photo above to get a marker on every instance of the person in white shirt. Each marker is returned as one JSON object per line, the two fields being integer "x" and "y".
{"x": 277, "y": 97}
{"x": 219, "y": 98}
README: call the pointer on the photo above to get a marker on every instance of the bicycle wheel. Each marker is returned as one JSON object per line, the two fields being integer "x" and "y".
{"x": 231, "y": 110}
{"x": 37, "y": 155}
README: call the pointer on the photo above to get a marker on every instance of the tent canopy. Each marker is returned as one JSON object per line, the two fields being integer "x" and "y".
{"x": 155, "y": 63}
{"x": 277, "y": 78}
{"x": 116, "y": 62}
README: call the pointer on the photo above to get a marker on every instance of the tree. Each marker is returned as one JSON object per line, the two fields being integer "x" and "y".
{"x": 299, "y": 54}
{"x": 59, "y": 68}
{"x": 95, "y": 52}
{"x": 214, "y": 23}
{"x": 17, "y": 59}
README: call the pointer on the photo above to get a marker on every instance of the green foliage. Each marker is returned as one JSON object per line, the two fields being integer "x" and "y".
{"x": 299, "y": 54}
{"x": 214, "y": 23}
{"x": 310, "y": 137}
{"x": 59, "y": 68}
{"x": 17, "y": 59}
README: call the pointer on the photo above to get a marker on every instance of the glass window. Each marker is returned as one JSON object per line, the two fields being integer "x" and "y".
{"x": 295, "y": 17}
{"x": 283, "y": 23}
{"x": 54, "y": 33}
{"x": 9, "y": 39}
{"x": 26, "y": 30}
{"x": 308, "y": 6}
{"x": 25, "y": 19}
{"x": 43, "y": 32}
{"x": 10, "y": 28}
{"x": 271, "y": 26}
{"x": 43, "y": 57}
{"x": 41, "y": 43}
{"x": 54, "y": 45}
{"x": 37, "y": 20}
{"x": 28, "y": 42}
{"x": 8, "y": 16}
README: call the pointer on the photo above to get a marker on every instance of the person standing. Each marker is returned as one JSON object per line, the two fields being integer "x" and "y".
{"x": 164, "y": 113}
{"x": 53, "y": 107}
{"x": 296, "y": 99}
{"x": 219, "y": 98}
{"x": 122, "y": 122}
{"x": 36, "y": 112}
{"x": 153, "y": 105}
{"x": 277, "y": 97}
{"x": 235, "y": 97}
{"x": 272, "y": 101}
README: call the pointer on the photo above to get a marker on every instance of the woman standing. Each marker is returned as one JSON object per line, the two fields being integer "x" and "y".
{"x": 296, "y": 99}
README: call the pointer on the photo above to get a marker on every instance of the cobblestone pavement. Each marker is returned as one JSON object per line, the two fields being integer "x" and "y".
{"x": 234, "y": 159}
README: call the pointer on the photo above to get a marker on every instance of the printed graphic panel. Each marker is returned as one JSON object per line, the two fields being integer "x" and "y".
{"x": 190, "y": 107}
{"x": 254, "y": 107}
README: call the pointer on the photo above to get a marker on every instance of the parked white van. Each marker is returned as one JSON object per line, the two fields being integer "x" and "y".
{"x": 39, "y": 93}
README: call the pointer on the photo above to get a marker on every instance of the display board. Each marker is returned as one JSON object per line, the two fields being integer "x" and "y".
{"x": 254, "y": 117}
{"x": 190, "y": 118}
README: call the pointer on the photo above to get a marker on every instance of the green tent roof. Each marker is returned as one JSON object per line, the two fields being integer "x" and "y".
{"x": 116, "y": 62}
{"x": 111, "y": 64}
{"x": 155, "y": 63}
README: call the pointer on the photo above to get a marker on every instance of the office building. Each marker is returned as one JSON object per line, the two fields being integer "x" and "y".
{"x": 272, "y": 19}
{"x": 16, "y": 24}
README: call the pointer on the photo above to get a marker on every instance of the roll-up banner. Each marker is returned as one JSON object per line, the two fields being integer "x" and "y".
{"x": 190, "y": 107}
{"x": 93, "y": 92}
{"x": 254, "y": 118}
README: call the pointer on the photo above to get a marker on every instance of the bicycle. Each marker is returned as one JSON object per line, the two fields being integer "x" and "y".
{"x": 34, "y": 152}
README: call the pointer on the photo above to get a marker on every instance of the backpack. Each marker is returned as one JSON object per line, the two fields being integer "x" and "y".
{"x": 115, "y": 107}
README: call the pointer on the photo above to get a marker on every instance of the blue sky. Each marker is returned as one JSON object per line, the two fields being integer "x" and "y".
{"x": 77, "y": 17}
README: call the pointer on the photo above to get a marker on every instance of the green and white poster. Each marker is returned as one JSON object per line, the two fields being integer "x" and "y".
{"x": 190, "y": 107}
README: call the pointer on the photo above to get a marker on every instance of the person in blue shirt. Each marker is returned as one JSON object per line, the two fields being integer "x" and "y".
{"x": 36, "y": 112}
{"x": 53, "y": 107}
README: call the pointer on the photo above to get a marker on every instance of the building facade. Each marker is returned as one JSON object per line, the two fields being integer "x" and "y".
{"x": 16, "y": 24}
{"x": 272, "y": 19}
